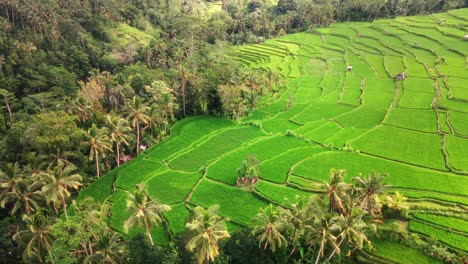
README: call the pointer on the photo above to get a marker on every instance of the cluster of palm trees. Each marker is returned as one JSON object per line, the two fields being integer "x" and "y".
{"x": 23, "y": 191}
{"x": 320, "y": 227}
{"x": 323, "y": 225}
{"x": 205, "y": 227}
{"x": 137, "y": 114}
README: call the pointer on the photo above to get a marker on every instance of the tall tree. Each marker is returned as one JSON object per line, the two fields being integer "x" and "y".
{"x": 207, "y": 229}
{"x": 269, "y": 228}
{"x": 37, "y": 237}
{"x": 58, "y": 182}
{"x": 19, "y": 189}
{"x": 108, "y": 249}
{"x": 119, "y": 132}
{"x": 371, "y": 187}
{"x": 99, "y": 144}
{"x": 145, "y": 211}
{"x": 137, "y": 114}
{"x": 335, "y": 189}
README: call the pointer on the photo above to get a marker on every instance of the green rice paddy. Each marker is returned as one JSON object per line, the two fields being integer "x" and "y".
{"x": 361, "y": 120}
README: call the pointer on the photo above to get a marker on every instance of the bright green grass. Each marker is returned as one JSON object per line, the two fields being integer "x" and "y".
{"x": 364, "y": 117}
{"x": 400, "y": 175}
{"x": 225, "y": 169}
{"x": 231, "y": 200}
{"x": 215, "y": 146}
{"x": 421, "y": 120}
{"x": 419, "y": 84}
{"x": 457, "y": 148}
{"x": 323, "y": 132}
{"x": 449, "y": 238}
{"x": 100, "y": 189}
{"x": 415, "y": 69}
{"x": 379, "y": 85}
{"x": 459, "y": 122}
{"x": 394, "y": 251}
{"x": 190, "y": 130}
{"x": 351, "y": 97}
{"x": 276, "y": 125}
{"x": 342, "y": 137}
{"x": 171, "y": 186}
{"x": 381, "y": 100}
{"x": 277, "y": 168}
{"x": 177, "y": 218}
{"x": 416, "y": 100}
{"x": 320, "y": 111}
{"x": 444, "y": 221}
{"x": 279, "y": 193}
{"x": 135, "y": 172}
{"x": 394, "y": 65}
{"x": 437, "y": 196}
{"x": 403, "y": 145}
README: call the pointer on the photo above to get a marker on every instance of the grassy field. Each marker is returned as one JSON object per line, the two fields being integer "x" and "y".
{"x": 362, "y": 120}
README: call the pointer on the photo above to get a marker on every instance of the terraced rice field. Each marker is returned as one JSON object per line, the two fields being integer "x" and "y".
{"x": 361, "y": 120}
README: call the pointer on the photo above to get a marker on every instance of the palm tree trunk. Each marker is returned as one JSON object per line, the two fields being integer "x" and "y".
{"x": 8, "y": 108}
{"x": 64, "y": 206}
{"x": 148, "y": 231}
{"x": 138, "y": 138}
{"x": 118, "y": 153}
{"x": 98, "y": 172}
{"x": 334, "y": 251}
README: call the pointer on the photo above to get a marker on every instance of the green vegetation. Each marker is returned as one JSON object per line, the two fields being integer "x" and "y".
{"x": 130, "y": 118}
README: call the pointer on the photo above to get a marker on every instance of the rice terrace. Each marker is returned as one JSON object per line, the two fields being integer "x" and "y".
{"x": 389, "y": 96}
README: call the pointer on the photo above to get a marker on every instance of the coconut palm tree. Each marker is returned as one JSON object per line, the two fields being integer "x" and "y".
{"x": 83, "y": 109}
{"x": 269, "y": 228}
{"x": 58, "y": 181}
{"x": 20, "y": 189}
{"x": 137, "y": 115}
{"x": 108, "y": 249}
{"x": 8, "y": 179}
{"x": 298, "y": 218}
{"x": 322, "y": 234}
{"x": 335, "y": 190}
{"x": 99, "y": 144}
{"x": 119, "y": 132}
{"x": 397, "y": 202}
{"x": 37, "y": 236}
{"x": 207, "y": 228}
{"x": 370, "y": 187}
{"x": 352, "y": 228}
{"x": 145, "y": 211}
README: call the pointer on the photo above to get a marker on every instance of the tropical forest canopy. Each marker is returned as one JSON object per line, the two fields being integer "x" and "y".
{"x": 271, "y": 97}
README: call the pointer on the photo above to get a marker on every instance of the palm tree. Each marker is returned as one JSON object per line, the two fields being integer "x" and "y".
{"x": 119, "y": 131}
{"x": 99, "y": 143}
{"x": 397, "y": 202}
{"x": 352, "y": 228}
{"x": 298, "y": 218}
{"x": 371, "y": 186}
{"x": 335, "y": 190}
{"x": 58, "y": 182}
{"x": 37, "y": 236}
{"x": 269, "y": 228}
{"x": 83, "y": 109}
{"x": 208, "y": 228}
{"x": 8, "y": 179}
{"x": 137, "y": 115}
{"x": 145, "y": 211}
{"x": 109, "y": 249}
{"x": 321, "y": 233}
{"x": 19, "y": 189}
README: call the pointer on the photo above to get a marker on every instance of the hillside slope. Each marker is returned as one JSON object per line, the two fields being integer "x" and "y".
{"x": 328, "y": 117}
